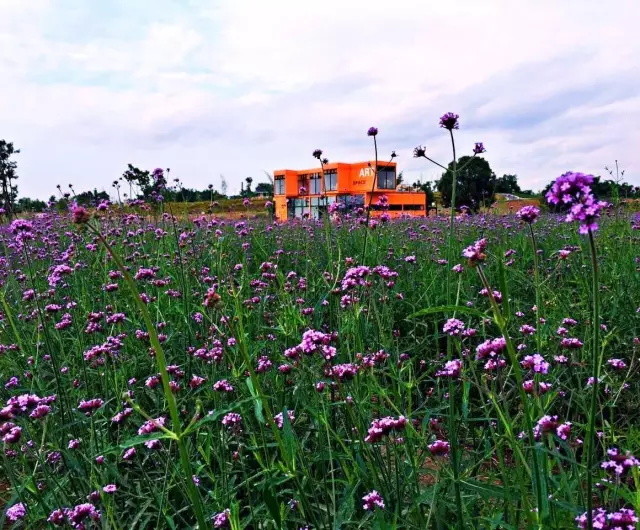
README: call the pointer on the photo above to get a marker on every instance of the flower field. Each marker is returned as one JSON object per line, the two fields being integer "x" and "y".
{"x": 169, "y": 373}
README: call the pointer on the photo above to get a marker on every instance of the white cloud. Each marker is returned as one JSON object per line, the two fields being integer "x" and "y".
{"x": 251, "y": 85}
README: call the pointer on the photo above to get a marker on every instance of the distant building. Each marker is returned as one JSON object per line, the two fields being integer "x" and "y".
{"x": 310, "y": 192}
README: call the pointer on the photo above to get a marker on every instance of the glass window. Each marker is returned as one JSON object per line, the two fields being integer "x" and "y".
{"x": 386, "y": 178}
{"x": 351, "y": 201}
{"x": 279, "y": 186}
{"x": 303, "y": 184}
{"x": 316, "y": 184}
{"x": 414, "y": 207}
{"x": 331, "y": 180}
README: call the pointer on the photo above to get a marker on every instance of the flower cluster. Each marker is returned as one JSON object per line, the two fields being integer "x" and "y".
{"x": 383, "y": 426}
{"x": 528, "y": 214}
{"x": 476, "y": 253}
{"x": 314, "y": 342}
{"x": 574, "y": 190}
{"x": 623, "y": 519}
{"x": 372, "y": 500}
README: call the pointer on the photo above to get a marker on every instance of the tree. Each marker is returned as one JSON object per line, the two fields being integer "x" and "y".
{"x": 138, "y": 177}
{"x": 264, "y": 187}
{"x": 475, "y": 183}
{"x": 25, "y": 204}
{"x": 249, "y": 181}
{"x": 91, "y": 198}
{"x": 8, "y": 190}
{"x": 507, "y": 184}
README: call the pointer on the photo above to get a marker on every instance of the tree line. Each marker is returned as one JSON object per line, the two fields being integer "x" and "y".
{"x": 477, "y": 186}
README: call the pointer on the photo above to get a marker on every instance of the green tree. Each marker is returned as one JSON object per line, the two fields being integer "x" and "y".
{"x": 264, "y": 187}
{"x": 249, "y": 181}
{"x": 475, "y": 183}
{"x": 507, "y": 184}
{"x": 25, "y": 204}
{"x": 137, "y": 177}
{"x": 91, "y": 198}
{"x": 8, "y": 190}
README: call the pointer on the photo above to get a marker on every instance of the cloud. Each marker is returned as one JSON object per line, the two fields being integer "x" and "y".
{"x": 237, "y": 87}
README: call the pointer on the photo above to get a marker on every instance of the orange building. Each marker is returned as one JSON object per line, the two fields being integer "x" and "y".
{"x": 310, "y": 192}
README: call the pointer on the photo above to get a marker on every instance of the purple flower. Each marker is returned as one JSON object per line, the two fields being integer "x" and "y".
{"x": 221, "y": 520}
{"x": 475, "y": 253}
{"x": 619, "y": 462}
{"x": 372, "y": 500}
{"x": 439, "y": 448}
{"x": 90, "y": 405}
{"x": 419, "y": 152}
{"x": 453, "y": 327}
{"x": 344, "y": 372}
{"x": 110, "y": 488}
{"x": 569, "y": 187}
{"x": 574, "y": 190}
{"x": 80, "y": 214}
{"x": 233, "y": 421}
{"x": 380, "y": 427}
{"x": 150, "y": 426}
{"x": 528, "y": 214}
{"x": 478, "y": 148}
{"x": 373, "y": 131}
{"x": 16, "y": 512}
{"x": 279, "y": 419}
{"x": 624, "y": 519}
{"x": 450, "y": 369}
{"x": 449, "y": 121}
{"x": 317, "y": 153}
{"x": 536, "y": 363}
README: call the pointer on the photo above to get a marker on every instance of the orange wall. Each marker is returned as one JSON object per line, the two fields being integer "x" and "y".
{"x": 352, "y": 178}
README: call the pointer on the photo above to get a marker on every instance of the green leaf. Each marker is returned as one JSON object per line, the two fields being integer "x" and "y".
{"x": 272, "y": 504}
{"x": 449, "y": 309}
{"x": 488, "y": 491}
{"x": 289, "y": 439}
{"x": 257, "y": 402}
{"x": 346, "y": 509}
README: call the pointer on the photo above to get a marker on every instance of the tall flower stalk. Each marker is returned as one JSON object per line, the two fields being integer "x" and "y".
{"x": 373, "y": 132}
{"x": 573, "y": 190}
{"x": 449, "y": 121}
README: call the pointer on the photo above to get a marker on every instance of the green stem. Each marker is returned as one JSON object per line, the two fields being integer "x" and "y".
{"x": 596, "y": 361}
{"x": 517, "y": 371}
{"x": 161, "y": 365}
{"x": 373, "y": 187}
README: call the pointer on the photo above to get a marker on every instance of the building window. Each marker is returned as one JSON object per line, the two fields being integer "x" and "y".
{"x": 316, "y": 184}
{"x": 351, "y": 201}
{"x": 303, "y": 184}
{"x": 414, "y": 207}
{"x": 331, "y": 180}
{"x": 386, "y": 178}
{"x": 279, "y": 186}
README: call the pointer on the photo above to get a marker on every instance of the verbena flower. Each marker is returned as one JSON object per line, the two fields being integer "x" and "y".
{"x": 449, "y": 121}
{"x": 372, "y": 500}
{"x": 16, "y": 512}
{"x": 574, "y": 190}
{"x": 373, "y": 131}
{"x": 476, "y": 253}
{"x": 383, "y": 426}
{"x": 478, "y": 148}
{"x": 528, "y": 214}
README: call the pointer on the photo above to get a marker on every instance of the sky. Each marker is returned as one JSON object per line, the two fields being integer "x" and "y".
{"x": 239, "y": 87}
